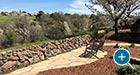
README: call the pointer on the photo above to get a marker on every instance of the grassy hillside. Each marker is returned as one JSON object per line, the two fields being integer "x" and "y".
{"x": 9, "y": 19}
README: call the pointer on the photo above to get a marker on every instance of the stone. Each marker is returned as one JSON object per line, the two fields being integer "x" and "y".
{"x": 36, "y": 59}
{"x": 0, "y": 70}
{"x": 5, "y": 60}
{"x": 25, "y": 63}
{"x": 1, "y": 57}
{"x": 26, "y": 58}
{"x": 13, "y": 58}
{"x": 4, "y": 56}
{"x": 30, "y": 54}
{"x": 9, "y": 54}
{"x": 8, "y": 64}
{"x": 35, "y": 53}
{"x": 30, "y": 60}
{"x": 14, "y": 53}
{"x": 57, "y": 43}
{"x": 22, "y": 60}
{"x": 55, "y": 51}
{"x": 25, "y": 53}
{"x": 76, "y": 45}
{"x": 31, "y": 47}
{"x": 1, "y": 63}
{"x": 58, "y": 51}
{"x": 20, "y": 50}
{"x": 21, "y": 57}
{"x": 41, "y": 57}
{"x": 49, "y": 46}
{"x": 42, "y": 49}
{"x": 19, "y": 63}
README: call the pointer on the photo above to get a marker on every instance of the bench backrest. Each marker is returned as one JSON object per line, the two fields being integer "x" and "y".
{"x": 102, "y": 41}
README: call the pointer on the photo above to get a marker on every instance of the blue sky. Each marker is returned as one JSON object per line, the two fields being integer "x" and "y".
{"x": 49, "y": 6}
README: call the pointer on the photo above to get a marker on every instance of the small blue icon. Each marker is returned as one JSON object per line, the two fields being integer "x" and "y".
{"x": 121, "y": 56}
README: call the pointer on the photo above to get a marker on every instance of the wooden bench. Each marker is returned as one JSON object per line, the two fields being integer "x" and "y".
{"x": 92, "y": 48}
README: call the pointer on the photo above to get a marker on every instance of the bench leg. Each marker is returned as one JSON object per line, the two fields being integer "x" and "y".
{"x": 94, "y": 54}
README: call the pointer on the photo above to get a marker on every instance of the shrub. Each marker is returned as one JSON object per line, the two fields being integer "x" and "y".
{"x": 125, "y": 47}
{"x": 11, "y": 37}
{"x": 22, "y": 26}
{"x": 35, "y": 32}
{"x": 2, "y": 37}
{"x": 126, "y": 70}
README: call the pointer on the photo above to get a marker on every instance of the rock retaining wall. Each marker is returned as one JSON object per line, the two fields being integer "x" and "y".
{"x": 23, "y": 57}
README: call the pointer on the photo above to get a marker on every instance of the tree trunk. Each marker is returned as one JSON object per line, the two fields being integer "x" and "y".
{"x": 116, "y": 26}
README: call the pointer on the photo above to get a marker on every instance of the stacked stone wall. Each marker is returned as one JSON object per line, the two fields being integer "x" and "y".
{"x": 22, "y": 57}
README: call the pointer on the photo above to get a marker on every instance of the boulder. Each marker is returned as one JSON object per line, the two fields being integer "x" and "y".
{"x": 26, "y": 63}
{"x": 42, "y": 49}
{"x": 36, "y": 59}
{"x": 0, "y": 70}
{"x": 41, "y": 57}
{"x": 13, "y": 58}
{"x": 1, "y": 57}
{"x": 8, "y": 64}
{"x": 1, "y": 63}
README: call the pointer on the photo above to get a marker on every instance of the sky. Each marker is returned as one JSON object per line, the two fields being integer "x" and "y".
{"x": 48, "y": 6}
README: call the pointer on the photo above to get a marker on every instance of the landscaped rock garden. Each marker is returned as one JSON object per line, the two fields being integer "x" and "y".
{"x": 29, "y": 55}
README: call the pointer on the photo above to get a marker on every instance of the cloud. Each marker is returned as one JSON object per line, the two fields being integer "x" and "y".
{"x": 78, "y": 6}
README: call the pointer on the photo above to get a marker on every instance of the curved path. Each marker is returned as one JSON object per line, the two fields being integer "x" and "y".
{"x": 63, "y": 60}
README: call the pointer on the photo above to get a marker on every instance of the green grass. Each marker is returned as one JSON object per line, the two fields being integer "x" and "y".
{"x": 106, "y": 27}
{"x": 24, "y": 45}
{"x": 9, "y": 19}
{"x": 32, "y": 17}
{"x": 6, "y": 20}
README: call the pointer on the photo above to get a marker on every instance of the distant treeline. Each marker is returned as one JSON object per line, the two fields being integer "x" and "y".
{"x": 46, "y": 26}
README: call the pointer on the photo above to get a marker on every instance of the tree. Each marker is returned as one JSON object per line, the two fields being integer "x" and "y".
{"x": 22, "y": 25}
{"x": 115, "y": 9}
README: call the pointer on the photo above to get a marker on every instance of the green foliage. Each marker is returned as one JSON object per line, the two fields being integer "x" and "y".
{"x": 125, "y": 47}
{"x": 35, "y": 32}
{"x": 10, "y": 36}
{"x": 40, "y": 13}
{"x": 127, "y": 70}
{"x": 16, "y": 30}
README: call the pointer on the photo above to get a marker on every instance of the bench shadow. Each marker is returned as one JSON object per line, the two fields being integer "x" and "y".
{"x": 88, "y": 55}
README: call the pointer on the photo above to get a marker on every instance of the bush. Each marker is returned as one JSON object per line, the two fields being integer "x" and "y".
{"x": 35, "y": 32}
{"x": 11, "y": 37}
{"x": 125, "y": 47}
{"x": 126, "y": 70}
{"x": 2, "y": 37}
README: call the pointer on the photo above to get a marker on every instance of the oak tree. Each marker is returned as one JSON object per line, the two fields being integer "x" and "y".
{"x": 115, "y": 9}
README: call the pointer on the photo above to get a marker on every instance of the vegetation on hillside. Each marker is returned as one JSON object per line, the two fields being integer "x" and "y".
{"x": 17, "y": 30}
